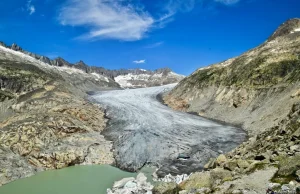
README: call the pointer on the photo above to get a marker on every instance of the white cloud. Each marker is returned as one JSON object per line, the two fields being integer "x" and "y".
{"x": 121, "y": 19}
{"x": 30, "y": 7}
{"x": 140, "y": 61}
{"x": 174, "y": 6}
{"x": 228, "y": 2}
{"x": 157, "y": 44}
{"x": 107, "y": 19}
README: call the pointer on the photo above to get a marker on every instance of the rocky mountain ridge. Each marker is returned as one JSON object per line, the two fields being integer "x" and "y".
{"x": 135, "y": 77}
{"x": 260, "y": 91}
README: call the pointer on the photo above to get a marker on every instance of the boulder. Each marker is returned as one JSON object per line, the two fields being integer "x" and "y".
{"x": 166, "y": 188}
{"x": 289, "y": 166}
{"x": 297, "y": 133}
{"x": 130, "y": 185}
{"x": 221, "y": 159}
{"x": 231, "y": 165}
{"x": 298, "y": 175}
{"x": 211, "y": 164}
{"x": 256, "y": 165}
{"x": 295, "y": 148}
{"x": 274, "y": 186}
{"x": 197, "y": 180}
{"x": 243, "y": 163}
{"x": 141, "y": 178}
{"x": 121, "y": 183}
{"x": 220, "y": 175}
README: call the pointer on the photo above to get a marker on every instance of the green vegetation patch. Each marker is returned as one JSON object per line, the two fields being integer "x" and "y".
{"x": 5, "y": 95}
{"x": 256, "y": 73}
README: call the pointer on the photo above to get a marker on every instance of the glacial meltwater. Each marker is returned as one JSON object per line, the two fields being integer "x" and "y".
{"x": 94, "y": 179}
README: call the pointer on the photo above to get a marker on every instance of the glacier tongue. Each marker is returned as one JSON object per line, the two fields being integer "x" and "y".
{"x": 145, "y": 131}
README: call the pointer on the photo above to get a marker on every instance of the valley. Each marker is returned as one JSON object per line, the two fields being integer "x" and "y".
{"x": 144, "y": 131}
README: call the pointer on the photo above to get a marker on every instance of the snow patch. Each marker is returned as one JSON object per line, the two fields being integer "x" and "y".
{"x": 70, "y": 70}
{"x": 295, "y": 30}
{"x": 124, "y": 80}
{"x": 100, "y": 77}
{"x": 173, "y": 74}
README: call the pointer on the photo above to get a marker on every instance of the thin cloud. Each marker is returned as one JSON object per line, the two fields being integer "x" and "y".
{"x": 172, "y": 7}
{"x": 107, "y": 19}
{"x": 140, "y": 61}
{"x": 30, "y": 7}
{"x": 120, "y": 19}
{"x": 157, "y": 44}
{"x": 228, "y": 2}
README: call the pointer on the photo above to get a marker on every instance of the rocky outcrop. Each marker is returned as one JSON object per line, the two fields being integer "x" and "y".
{"x": 51, "y": 129}
{"x": 46, "y": 121}
{"x": 259, "y": 91}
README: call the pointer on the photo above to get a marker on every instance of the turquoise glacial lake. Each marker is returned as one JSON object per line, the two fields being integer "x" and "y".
{"x": 94, "y": 179}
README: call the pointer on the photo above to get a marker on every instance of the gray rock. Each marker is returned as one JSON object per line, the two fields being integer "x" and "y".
{"x": 295, "y": 148}
{"x": 298, "y": 175}
{"x": 165, "y": 188}
{"x": 237, "y": 192}
{"x": 122, "y": 182}
{"x": 141, "y": 178}
{"x": 231, "y": 165}
{"x": 285, "y": 188}
{"x": 274, "y": 186}
{"x": 130, "y": 185}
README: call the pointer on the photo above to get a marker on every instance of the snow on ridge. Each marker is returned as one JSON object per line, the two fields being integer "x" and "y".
{"x": 22, "y": 57}
{"x": 125, "y": 80}
{"x": 100, "y": 77}
{"x": 296, "y": 30}
{"x": 175, "y": 74}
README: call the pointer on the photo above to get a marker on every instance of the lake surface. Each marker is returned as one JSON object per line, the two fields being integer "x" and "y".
{"x": 94, "y": 179}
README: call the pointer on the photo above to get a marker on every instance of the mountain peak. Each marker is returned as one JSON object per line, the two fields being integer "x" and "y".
{"x": 81, "y": 63}
{"x": 16, "y": 47}
{"x": 288, "y": 27}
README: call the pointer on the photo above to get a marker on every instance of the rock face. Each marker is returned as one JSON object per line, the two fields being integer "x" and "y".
{"x": 46, "y": 121}
{"x": 259, "y": 91}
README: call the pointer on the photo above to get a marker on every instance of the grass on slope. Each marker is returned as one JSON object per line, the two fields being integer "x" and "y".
{"x": 257, "y": 73}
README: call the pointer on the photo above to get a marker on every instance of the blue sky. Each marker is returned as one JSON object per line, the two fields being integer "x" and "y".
{"x": 181, "y": 34}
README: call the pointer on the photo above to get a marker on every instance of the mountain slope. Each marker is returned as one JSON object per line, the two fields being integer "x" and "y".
{"x": 46, "y": 119}
{"x": 239, "y": 89}
{"x": 131, "y": 78}
{"x": 260, "y": 91}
